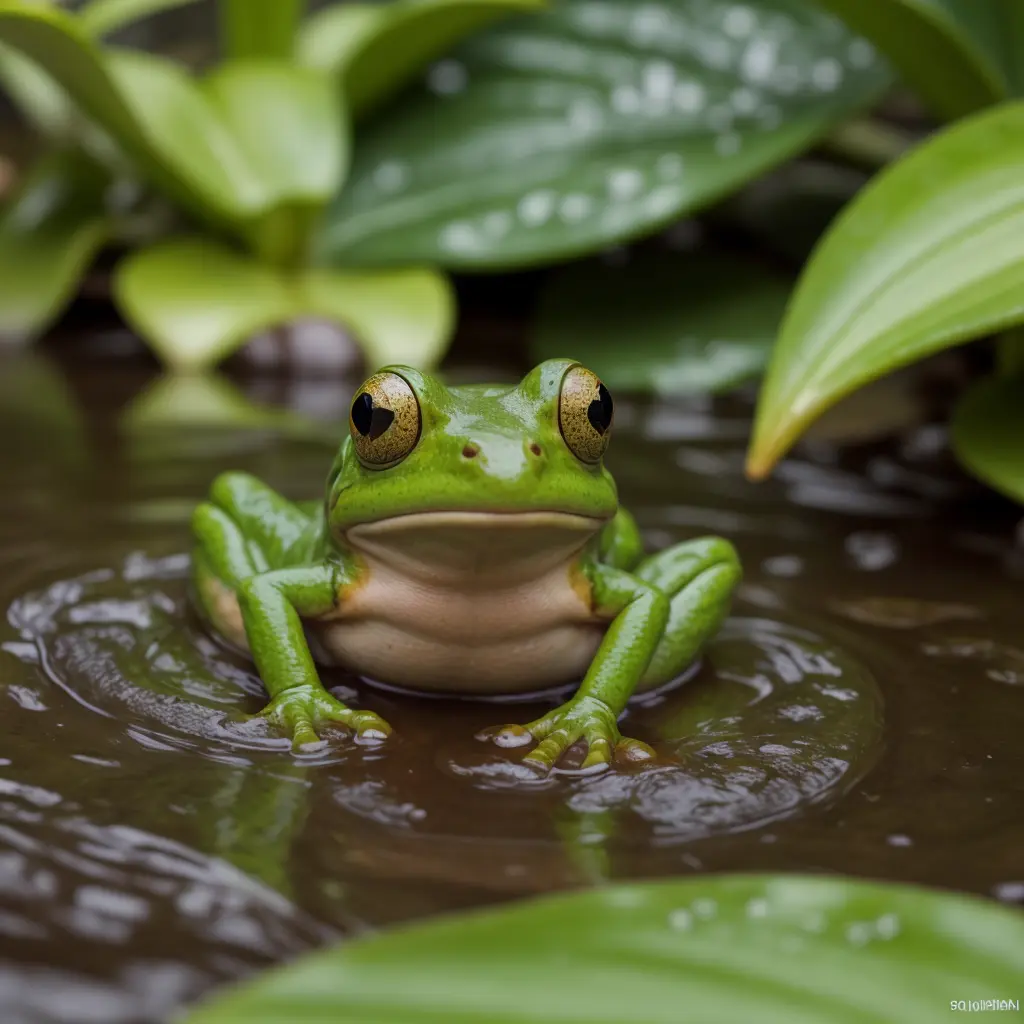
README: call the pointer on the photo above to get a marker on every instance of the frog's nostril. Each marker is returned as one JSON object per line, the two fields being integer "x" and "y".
{"x": 535, "y": 448}
{"x": 471, "y": 451}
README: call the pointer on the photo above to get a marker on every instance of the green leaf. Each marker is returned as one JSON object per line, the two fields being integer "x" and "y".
{"x": 668, "y": 323}
{"x": 562, "y": 133}
{"x": 988, "y": 433}
{"x": 929, "y": 255}
{"x": 149, "y": 105}
{"x": 101, "y": 17}
{"x": 50, "y": 231}
{"x": 397, "y": 316}
{"x": 772, "y": 949}
{"x": 43, "y": 103}
{"x": 260, "y": 28}
{"x": 379, "y": 48}
{"x": 950, "y": 51}
{"x": 289, "y": 123}
{"x": 195, "y": 302}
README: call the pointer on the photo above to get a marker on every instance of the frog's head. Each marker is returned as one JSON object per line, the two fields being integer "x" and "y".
{"x": 478, "y": 454}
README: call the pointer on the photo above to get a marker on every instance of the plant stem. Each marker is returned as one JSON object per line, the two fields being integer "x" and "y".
{"x": 260, "y": 28}
{"x": 868, "y": 143}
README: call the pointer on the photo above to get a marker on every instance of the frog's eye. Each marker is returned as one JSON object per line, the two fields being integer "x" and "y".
{"x": 384, "y": 420}
{"x": 585, "y": 414}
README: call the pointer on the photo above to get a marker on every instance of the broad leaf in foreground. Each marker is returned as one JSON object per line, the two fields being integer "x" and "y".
{"x": 560, "y": 133}
{"x": 668, "y": 323}
{"x": 929, "y": 255}
{"x": 771, "y": 949}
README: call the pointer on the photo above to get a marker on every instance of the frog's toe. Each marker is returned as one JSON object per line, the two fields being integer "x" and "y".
{"x": 299, "y": 712}
{"x": 369, "y": 727}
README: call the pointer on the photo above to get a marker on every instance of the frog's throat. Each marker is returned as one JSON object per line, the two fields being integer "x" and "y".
{"x": 474, "y": 546}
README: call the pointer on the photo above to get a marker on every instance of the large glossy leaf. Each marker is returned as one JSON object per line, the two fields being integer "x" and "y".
{"x": 49, "y": 233}
{"x": 930, "y": 254}
{"x": 668, "y": 323}
{"x": 718, "y": 950}
{"x": 150, "y": 107}
{"x": 988, "y": 433}
{"x": 380, "y": 47}
{"x": 953, "y": 52}
{"x": 101, "y": 17}
{"x": 561, "y": 133}
{"x": 195, "y": 302}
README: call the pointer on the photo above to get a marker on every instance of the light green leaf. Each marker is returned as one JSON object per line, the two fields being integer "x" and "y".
{"x": 195, "y": 302}
{"x": 559, "y": 134}
{"x": 988, "y": 433}
{"x": 668, "y": 323}
{"x": 101, "y": 17}
{"x": 773, "y": 949}
{"x": 289, "y": 123}
{"x": 929, "y": 255}
{"x": 379, "y": 48}
{"x": 950, "y": 51}
{"x": 397, "y": 316}
{"x": 260, "y": 28}
{"x": 149, "y": 105}
{"x": 50, "y": 231}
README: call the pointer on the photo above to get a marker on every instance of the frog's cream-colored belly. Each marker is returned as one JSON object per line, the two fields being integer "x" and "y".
{"x": 449, "y": 605}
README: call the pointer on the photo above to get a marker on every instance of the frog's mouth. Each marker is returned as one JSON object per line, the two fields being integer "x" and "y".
{"x": 460, "y": 543}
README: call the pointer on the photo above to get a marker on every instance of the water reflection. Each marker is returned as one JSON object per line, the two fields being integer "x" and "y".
{"x": 155, "y": 842}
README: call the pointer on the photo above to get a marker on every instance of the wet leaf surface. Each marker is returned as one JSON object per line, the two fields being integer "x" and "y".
{"x": 560, "y": 134}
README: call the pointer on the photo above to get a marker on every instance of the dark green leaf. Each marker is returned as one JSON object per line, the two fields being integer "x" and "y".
{"x": 562, "y": 133}
{"x": 380, "y": 47}
{"x": 950, "y": 51}
{"x": 49, "y": 233}
{"x": 668, "y": 323}
{"x": 929, "y": 255}
{"x": 988, "y": 434}
{"x": 100, "y": 17}
{"x": 195, "y": 302}
{"x": 260, "y": 28}
{"x": 719, "y": 950}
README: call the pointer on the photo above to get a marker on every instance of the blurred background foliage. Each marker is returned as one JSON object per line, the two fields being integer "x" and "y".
{"x": 688, "y": 195}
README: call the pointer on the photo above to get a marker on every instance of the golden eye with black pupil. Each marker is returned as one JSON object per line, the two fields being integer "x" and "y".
{"x": 585, "y": 413}
{"x": 385, "y": 420}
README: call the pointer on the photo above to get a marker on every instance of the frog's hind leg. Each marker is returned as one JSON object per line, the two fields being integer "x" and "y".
{"x": 699, "y": 576}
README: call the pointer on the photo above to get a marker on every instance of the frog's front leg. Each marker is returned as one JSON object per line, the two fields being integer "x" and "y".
{"x": 662, "y": 613}
{"x": 272, "y": 604}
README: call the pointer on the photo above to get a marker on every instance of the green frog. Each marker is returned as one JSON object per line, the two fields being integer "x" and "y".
{"x": 470, "y": 541}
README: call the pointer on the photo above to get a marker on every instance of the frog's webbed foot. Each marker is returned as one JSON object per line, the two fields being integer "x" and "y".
{"x": 585, "y": 718}
{"x": 300, "y": 710}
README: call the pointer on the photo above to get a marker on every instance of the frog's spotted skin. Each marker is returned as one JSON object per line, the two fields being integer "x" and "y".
{"x": 471, "y": 541}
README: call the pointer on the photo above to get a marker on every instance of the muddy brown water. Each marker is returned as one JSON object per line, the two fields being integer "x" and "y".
{"x": 861, "y": 712}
